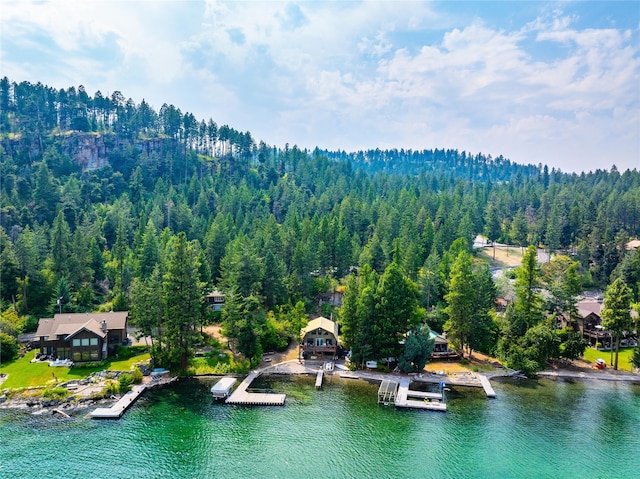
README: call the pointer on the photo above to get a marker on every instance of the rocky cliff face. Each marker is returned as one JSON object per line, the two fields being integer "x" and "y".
{"x": 89, "y": 150}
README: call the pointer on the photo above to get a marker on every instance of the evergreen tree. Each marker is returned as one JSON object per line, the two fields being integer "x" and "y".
{"x": 616, "y": 314}
{"x": 397, "y": 311}
{"x": 45, "y": 195}
{"x": 484, "y": 329}
{"x": 563, "y": 284}
{"x": 147, "y": 307}
{"x": 528, "y": 299}
{"x": 9, "y": 268}
{"x": 417, "y": 349}
{"x": 460, "y": 302}
{"x": 241, "y": 269}
{"x": 183, "y": 296}
{"x": 60, "y": 246}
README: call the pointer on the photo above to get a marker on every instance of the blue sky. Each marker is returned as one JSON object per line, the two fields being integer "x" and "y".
{"x": 556, "y": 83}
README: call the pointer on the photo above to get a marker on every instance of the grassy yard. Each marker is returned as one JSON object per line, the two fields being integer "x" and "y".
{"x": 23, "y": 373}
{"x": 624, "y": 357}
{"x": 217, "y": 365}
{"x": 504, "y": 256}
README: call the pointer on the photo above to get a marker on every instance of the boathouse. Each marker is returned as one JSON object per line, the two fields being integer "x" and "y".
{"x": 319, "y": 339}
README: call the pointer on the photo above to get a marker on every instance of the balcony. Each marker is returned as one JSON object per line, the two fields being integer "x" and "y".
{"x": 318, "y": 349}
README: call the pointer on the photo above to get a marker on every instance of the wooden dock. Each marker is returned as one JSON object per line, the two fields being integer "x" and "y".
{"x": 118, "y": 409}
{"x": 486, "y": 385}
{"x": 245, "y": 398}
{"x": 430, "y": 401}
{"x": 319, "y": 378}
{"x": 401, "y": 396}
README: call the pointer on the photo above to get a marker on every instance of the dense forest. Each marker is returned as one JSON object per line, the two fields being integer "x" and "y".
{"x": 108, "y": 204}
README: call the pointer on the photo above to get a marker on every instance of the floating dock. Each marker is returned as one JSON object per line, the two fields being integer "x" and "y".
{"x": 400, "y": 395}
{"x": 472, "y": 380}
{"x": 486, "y": 385}
{"x": 118, "y": 409}
{"x": 245, "y": 398}
{"x": 430, "y": 401}
{"x": 319, "y": 378}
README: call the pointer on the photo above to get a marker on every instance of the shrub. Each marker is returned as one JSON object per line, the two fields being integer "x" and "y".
{"x": 127, "y": 352}
{"x": 57, "y": 392}
{"x": 635, "y": 359}
{"x": 111, "y": 388}
{"x": 124, "y": 383}
{"x": 8, "y": 347}
{"x": 90, "y": 365}
{"x": 136, "y": 375}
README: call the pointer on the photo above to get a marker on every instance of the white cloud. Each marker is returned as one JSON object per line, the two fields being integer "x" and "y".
{"x": 351, "y": 74}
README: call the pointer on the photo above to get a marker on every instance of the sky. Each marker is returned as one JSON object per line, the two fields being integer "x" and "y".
{"x": 556, "y": 83}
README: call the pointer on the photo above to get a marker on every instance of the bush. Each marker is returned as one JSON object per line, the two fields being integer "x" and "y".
{"x": 8, "y": 347}
{"x": 635, "y": 359}
{"x": 91, "y": 365}
{"x": 124, "y": 383}
{"x": 57, "y": 392}
{"x": 127, "y": 352}
{"x": 136, "y": 375}
{"x": 111, "y": 388}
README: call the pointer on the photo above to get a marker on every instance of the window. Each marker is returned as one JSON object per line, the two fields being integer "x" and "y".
{"x": 93, "y": 341}
{"x": 94, "y": 355}
{"x": 77, "y": 356}
{"x": 75, "y": 342}
{"x": 85, "y": 341}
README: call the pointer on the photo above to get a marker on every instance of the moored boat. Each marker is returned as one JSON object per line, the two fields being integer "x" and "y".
{"x": 222, "y": 389}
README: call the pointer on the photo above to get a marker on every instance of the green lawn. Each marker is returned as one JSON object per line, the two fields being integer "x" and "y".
{"x": 23, "y": 373}
{"x": 624, "y": 357}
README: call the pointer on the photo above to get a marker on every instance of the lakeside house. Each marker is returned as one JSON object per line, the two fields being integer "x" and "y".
{"x": 441, "y": 346}
{"x": 215, "y": 300}
{"x": 319, "y": 339}
{"x": 590, "y": 322}
{"x": 82, "y": 337}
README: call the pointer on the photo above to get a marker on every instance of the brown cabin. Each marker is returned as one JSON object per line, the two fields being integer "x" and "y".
{"x": 319, "y": 338}
{"x": 82, "y": 337}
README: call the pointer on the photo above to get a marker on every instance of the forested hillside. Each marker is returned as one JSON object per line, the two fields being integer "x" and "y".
{"x": 105, "y": 203}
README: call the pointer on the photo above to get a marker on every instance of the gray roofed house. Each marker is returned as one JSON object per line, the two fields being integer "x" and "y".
{"x": 82, "y": 337}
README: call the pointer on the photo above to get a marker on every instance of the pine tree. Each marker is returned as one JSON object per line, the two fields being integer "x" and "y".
{"x": 616, "y": 314}
{"x": 396, "y": 311}
{"x": 183, "y": 297}
{"x": 460, "y": 302}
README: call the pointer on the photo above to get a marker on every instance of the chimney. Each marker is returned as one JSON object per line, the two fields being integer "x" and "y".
{"x": 103, "y": 325}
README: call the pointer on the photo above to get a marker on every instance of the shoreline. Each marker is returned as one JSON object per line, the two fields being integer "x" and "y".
{"x": 293, "y": 367}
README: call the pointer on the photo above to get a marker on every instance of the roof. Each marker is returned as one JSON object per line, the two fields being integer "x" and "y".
{"x": 224, "y": 385}
{"x": 69, "y": 324}
{"x": 439, "y": 339}
{"x": 587, "y": 307}
{"x": 633, "y": 244}
{"x": 92, "y": 326}
{"x": 323, "y": 323}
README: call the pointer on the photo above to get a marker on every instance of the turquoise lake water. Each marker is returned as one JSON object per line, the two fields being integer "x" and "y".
{"x": 533, "y": 429}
